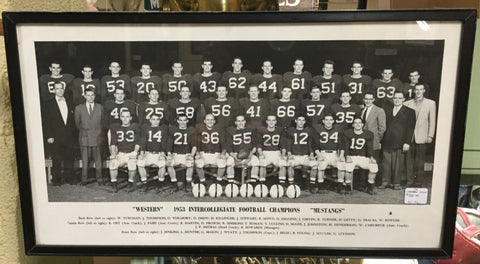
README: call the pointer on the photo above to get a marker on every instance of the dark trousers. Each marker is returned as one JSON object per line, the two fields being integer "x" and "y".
{"x": 62, "y": 154}
{"x": 393, "y": 166}
{"x": 416, "y": 162}
{"x": 87, "y": 153}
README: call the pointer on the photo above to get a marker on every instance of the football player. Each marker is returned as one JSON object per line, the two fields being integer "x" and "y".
{"x": 357, "y": 83}
{"x": 409, "y": 88}
{"x": 358, "y": 147}
{"x": 109, "y": 83}
{"x": 269, "y": 84}
{"x": 223, "y": 108}
{"x": 385, "y": 88}
{"x": 153, "y": 150}
{"x": 315, "y": 107}
{"x": 173, "y": 82}
{"x": 114, "y": 107}
{"x": 272, "y": 149}
{"x": 241, "y": 140}
{"x": 141, "y": 85}
{"x": 345, "y": 112}
{"x": 327, "y": 143}
{"x": 80, "y": 84}
{"x": 300, "y": 149}
{"x": 124, "y": 147}
{"x": 153, "y": 106}
{"x": 330, "y": 84}
{"x": 205, "y": 83}
{"x": 254, "y": 109}
{"x": 183, "y": 151}
{"x": 237, "y": 80}
{"x": 285, "y": 107}
{"x": 211, "y": 148}
{"x": 187, "y": 106}
{"x": 46, "y": 82}
{"x": 298, "y": 80}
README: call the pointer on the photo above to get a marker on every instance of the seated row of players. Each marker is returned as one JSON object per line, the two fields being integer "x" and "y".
{"x": 311, "y": 148}
{"x": 205, "y": 85}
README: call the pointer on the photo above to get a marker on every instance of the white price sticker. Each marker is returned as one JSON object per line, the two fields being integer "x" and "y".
{"x": 416, "y": 195}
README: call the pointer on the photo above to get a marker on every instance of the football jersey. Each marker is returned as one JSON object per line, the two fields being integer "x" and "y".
{"x": 206, "y": 87}
{"x": 237, "y": 83}
{"x": 300, "y": 142}
{"x": 269, "y": 87}
{"x": 327, "y": 139}
{"x": 190, "y": 110}
{"x": 240, "y": 139}
{"x": 125, "y": 138}
{"x": 171, "y": 85}
{"x": 409, "y": 91}
{"x": 209, "y": 140}
{"x": 358, "y": 145}
{"x": 384, "y": 91}
{"x": 357, "y": 87}
{"x": 272, "y": 140}
{"x": 109, "y": 84}
{"x": 330, "y": 88}
{"x": 146, "y": 110}
{"x": 300, "y": 83}
{"x": 112, "y": 111}
{"x": 46, "y": 85}
{"x": 78, "y": 89}
{"x": 155, "y": 139}
{"x": 254, "y": 111}
{"x": 141, "y": 87}
{"x": 182, "y": 140}
{"x": 223, "y": 111}
{"x": 315, "y": 110}
{"x": 284, "y": 111}
{"x": 344, "y": 116}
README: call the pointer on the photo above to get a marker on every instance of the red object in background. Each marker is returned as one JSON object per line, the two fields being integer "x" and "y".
{"x": 466, "y": 245}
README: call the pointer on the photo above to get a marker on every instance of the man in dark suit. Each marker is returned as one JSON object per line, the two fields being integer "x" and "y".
{"x": 396, "y": 141}
{"x": 89, "y": 121}
{"x": 60, "y": 132}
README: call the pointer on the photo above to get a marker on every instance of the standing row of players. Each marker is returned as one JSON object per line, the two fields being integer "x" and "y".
{"x": 225, "y": 109}
{"x": 204, "y": 85}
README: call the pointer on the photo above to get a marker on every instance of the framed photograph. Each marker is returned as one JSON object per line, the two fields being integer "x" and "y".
{"x": 275, "y": 134}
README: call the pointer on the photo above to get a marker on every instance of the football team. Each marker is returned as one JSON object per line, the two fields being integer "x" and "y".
{"x": 238, "y": 127}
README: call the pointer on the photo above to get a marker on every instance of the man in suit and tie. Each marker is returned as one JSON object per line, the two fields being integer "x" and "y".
{"x": 89, "y": 122}
{"x": 422, "y": 136}
{"x": 396, "y": 141}
{"x": 375, "y": 121}
{"x": 60, "y": 132}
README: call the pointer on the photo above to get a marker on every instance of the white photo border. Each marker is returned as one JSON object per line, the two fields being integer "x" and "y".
{"x": 46, "y": 236}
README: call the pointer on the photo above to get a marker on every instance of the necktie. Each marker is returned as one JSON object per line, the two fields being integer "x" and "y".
{"x": 90, "y": 110}
{"x": 364, "y": 114}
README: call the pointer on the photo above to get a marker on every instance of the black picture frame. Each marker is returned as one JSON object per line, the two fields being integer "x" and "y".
{"x": 22, "y": 126}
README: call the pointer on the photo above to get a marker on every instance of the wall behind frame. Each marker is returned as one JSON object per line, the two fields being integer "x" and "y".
{"x": 471, "y": 153}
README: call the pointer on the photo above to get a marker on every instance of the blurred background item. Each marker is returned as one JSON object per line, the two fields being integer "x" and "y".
{"x": 115, "y": 5}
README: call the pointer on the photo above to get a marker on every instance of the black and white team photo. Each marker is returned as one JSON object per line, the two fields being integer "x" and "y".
{"x": 249, "y": 121}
